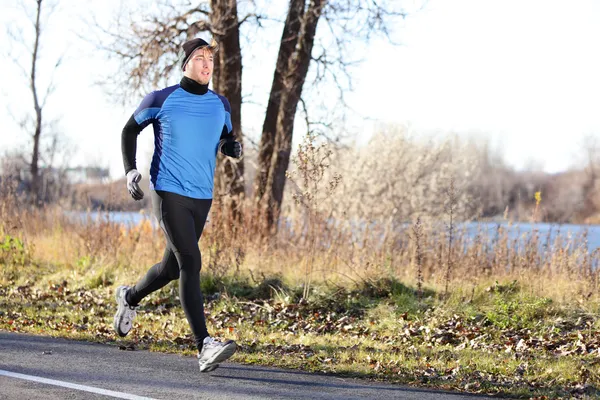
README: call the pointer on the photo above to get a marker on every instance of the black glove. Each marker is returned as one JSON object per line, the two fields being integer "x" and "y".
{"x": 231, "y": 148}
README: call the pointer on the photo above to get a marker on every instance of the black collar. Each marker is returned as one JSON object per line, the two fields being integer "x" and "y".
{"x": 190, "y": 85}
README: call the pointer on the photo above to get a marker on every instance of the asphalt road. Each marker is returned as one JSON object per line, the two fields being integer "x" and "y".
{"x": 36, "y": 367}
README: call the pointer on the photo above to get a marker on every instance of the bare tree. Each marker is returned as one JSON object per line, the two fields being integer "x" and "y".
{"x": 346, "y": 20}
{"x": 591, "y": 148}
{"x": 36, "y": 124}
{"x": 227, "y": 80}
{"x": 36, "y": 104}
{"x": 287, "y": 45}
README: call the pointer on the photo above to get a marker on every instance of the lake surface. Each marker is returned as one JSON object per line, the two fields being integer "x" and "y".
{"x": 547, "y": 234}
{"x": 121, "y": 217}
{"x": 583, "y": 235}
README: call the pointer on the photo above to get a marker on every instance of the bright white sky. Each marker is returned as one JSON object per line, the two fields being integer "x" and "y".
{"x": 524, "y": 73}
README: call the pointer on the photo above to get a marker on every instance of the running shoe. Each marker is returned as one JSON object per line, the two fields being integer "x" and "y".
{"x": 214, "y": 352}
{"x": 123, "y": 321}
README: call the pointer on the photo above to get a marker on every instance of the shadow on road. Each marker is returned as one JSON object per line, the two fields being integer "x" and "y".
{"x": 331, "y": 385}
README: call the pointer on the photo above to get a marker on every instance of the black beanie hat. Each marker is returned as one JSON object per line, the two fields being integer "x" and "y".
{"x": 192, "y": 45}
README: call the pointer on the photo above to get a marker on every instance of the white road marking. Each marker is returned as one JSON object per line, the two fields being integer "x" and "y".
{"x": 75, "y": 386}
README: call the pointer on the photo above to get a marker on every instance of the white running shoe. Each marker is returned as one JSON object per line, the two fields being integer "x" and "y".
{"x": 125, "y": 314}
{"x": 215, "y": 352}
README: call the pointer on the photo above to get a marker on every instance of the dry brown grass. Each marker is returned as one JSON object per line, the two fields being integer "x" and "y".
{"x": 342, "y": 256}
{"x": 319, "y": 241}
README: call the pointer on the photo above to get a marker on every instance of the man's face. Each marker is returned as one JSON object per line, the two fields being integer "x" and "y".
{"x": 200, "y": 66}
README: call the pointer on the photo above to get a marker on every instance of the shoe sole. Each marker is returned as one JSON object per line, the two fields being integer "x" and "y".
{"x": 121, "y": 311}
{"x": 213, "y": 363}
{"x": 210, "y": 368}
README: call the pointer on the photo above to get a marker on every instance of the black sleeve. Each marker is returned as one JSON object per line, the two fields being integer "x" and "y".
{"x": 129, "y": 143}
{"x": 225, "y": 137}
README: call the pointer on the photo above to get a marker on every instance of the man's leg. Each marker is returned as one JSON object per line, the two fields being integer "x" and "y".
{"x": 182, "y": 230}
{"x": 192, "y": 300}
{"x": 211, "y": 352}
{"x": 159, "y": 275}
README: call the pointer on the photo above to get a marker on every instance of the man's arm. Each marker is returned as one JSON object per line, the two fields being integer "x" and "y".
{"x": 142, "y": 116}
{"x": 129, "y": 143}
{"x": 145, "y": 113}
{"x": 128, "y": 147}
{"x": 227, "y": 143}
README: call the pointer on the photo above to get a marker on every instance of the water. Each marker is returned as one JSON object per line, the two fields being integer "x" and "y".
{"x": 126, "y": 218}
{"x": 547, "y": 234}
{"x": 585, "y": 235}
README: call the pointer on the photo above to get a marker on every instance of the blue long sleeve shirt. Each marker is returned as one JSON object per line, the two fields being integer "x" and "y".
{"x": 189, "y": 121}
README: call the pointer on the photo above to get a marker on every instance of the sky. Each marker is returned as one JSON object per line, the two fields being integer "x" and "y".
{"x": 523, "y": 74}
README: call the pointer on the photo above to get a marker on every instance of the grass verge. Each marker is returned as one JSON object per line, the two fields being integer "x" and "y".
{"x": 497, "y": 338}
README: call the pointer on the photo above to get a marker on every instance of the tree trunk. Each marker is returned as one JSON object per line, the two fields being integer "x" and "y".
{"x": 289, "y": 39}
{"x": 34, "y": 167}
{"x": 227, "y": 81}
{"x": 293, "y": 81}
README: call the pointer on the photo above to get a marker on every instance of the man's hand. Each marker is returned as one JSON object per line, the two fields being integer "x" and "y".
{"x": 133, "y": 178}
{"x": 231, "y": 148}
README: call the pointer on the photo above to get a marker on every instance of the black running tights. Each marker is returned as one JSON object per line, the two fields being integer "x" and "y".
{"x": 182, "y": 220}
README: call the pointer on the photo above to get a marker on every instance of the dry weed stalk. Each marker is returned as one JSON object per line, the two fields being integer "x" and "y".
{"x": 312, "y": 190}
{"x": 418, "y": 234}
{"x": 450, "y": 210}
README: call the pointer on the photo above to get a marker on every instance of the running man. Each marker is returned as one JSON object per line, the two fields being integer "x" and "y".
{"x": 191, "y": 125}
